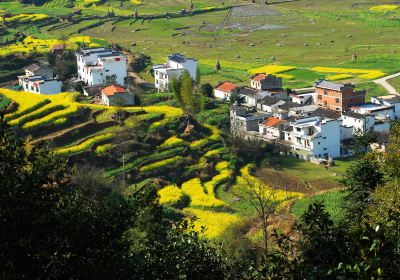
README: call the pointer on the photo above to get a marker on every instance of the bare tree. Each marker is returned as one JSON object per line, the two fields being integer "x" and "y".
{"x": 264, "y": 200}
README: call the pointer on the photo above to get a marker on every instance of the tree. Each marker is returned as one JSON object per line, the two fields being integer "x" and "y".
{"x": 187, "y": 89}
{"x": 175, "y": 85}
{"x": 361, "y": 178}
{"x": 235, "y": 98}
{"x": 111, "y": 80}
{"x": 48, "y": 229}
{"x": 264, "y": 200}
{"x": 362, "y": 139}
{"x": 207, "y": 90}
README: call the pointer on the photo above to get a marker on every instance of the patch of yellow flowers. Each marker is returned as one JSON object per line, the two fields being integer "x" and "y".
{"x": 198, "y": 198}
{"x": 160, "y": 164}
{"x": 85, "y": 144}
{"x": 271, "y": 69}
{"x": 215, "y": 223}
{"x": 25, "y": 18}
{"x": 384, "y": 8}
{"x": 170, "y": 195}
{"x": 171, "y": 142}
{"x": 31, "y": 44}
{"x": 363, "y": 73}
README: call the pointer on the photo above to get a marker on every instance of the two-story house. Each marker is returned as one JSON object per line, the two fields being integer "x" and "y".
{"x": 338, "y": 97}
{"x": 39, "y": 79}
{"x": 100, "y": 66}
{"x": 266, "y": 82}
{"x": 313, "y": 137}
{"x": 175, "y": 65}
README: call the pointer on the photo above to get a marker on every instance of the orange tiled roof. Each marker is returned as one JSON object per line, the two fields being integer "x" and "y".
{"x": 227, "y": 87}
{"x": 272, "y": 122}
{"x": 259, "y": 77}
{"x": 111, "y": 90}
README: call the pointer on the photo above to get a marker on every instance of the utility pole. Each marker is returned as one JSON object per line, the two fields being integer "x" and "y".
{"x": 123, "y": 170}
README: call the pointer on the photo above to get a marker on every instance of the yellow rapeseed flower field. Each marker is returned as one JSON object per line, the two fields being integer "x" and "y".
{"x": 271, "y": 69}
{"x": 384, "y": 8}
{"x": 216, "y": 223}
{"x": 198, "y": 198}
{"x": 170, "y": 195}
{"x": 338, "y": 77}
{"x": 85, "y": 144}
{"x": 246, "y": 179}
{"x": 31, "y": 44}
{"x": 363, "y": 73}
{"x": 171, "y": 142}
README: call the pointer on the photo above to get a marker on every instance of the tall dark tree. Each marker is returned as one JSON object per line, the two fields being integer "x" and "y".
{"x": 361, "y": 179}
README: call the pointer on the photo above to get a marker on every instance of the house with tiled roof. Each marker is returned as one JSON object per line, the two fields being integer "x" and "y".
{"x": 224, "y": 90}
{"x": 117, "y": 96}
{"x": 338, "y": 97}
{"x": 266, "y": 82}
{"x": 272, "y": 128}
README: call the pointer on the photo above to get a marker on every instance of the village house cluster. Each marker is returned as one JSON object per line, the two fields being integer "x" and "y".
{"x": 312, "y": 125}
{"x": 101, "y": 71}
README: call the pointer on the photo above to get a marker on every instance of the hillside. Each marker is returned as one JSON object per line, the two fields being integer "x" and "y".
{"x": 136, "y": 145}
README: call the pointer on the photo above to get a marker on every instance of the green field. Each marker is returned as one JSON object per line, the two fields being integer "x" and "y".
{"x": 304, "y": 34}
{"x": 332, "y": 200}
{"x": 395, "y": 82}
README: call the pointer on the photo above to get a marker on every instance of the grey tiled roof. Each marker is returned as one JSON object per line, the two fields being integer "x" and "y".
{"x": 354, "y": 115}
{"x": 269, "y": 100}
{"x": 329, "y": 85}
{"x": 326, "y": 113}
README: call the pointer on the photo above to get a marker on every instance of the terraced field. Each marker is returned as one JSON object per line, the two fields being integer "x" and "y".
{"x": 141, "y": 144}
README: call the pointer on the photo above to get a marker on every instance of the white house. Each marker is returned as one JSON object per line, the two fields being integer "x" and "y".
{"x": 224, "y": 90}
{"x": 100, "y": 66}
{"x": 313, "y": 137}
{"x": 39, "y": 70}
{"x": 384, "y": 111}
{"x": 176, "y": 64}
{"x": 269, "y": 104}
{"x": 117, "y": 96}
{"x": 304, "y": 98}
{"x": 353, "y": 123}
{"x": 41, "y": 85}
{"x": 389, "y": 100}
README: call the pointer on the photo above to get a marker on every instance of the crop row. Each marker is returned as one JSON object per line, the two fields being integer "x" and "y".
{"x": 85, "y": 144}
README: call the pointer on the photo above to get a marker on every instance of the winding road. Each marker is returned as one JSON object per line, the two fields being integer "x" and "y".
{"x": 384, "y": 82}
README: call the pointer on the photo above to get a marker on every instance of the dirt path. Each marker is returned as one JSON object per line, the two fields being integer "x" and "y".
{"x": 131, "y": 72}
{"x": 60, "y": 132}
{"x": 384, "y": 82}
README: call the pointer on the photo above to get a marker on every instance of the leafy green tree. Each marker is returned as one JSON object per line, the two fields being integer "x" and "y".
{"x": 206, "y": 90}
{"x": 187, "y": 89}
{"x": 361, "y": 179}
{"x": 175, "y": 85}
{"x": 361, "y": 140}
{"x": 48, "y": 229}
{"x": 235, "y": 98}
